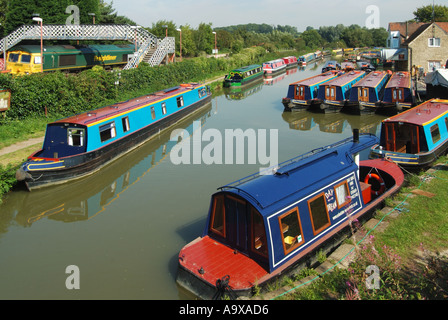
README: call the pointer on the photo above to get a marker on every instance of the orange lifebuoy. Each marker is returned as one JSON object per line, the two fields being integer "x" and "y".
{"x": 380, "y": 182}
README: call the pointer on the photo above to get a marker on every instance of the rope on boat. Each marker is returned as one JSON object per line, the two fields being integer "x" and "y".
{"x": 351, "y": 250}
{"x": 223, "y": 288}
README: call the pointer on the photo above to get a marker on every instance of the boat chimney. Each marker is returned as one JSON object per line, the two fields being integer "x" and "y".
{"x": 356, "y": 135}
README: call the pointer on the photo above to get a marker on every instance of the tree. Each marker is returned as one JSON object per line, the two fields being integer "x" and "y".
{"x": 312, "y": 38}
{"x": 427, "y": 13}
{"x": 205, "y": 38}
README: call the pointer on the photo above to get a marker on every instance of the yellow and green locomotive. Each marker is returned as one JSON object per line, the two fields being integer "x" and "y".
{"x": 26, "y": 59}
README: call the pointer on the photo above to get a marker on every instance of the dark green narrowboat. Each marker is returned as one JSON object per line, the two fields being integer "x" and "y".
{"x": 243, "y": 75}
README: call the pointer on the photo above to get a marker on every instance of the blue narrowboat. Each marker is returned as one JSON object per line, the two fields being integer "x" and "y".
{"x": 366, "y": 93}
{"x": 269, "y": 225}
{"x": 335, "y": 93}
{"x": 303, "y": 93}
{"x": 303, "y": 60}
{"x": 331, "y": 65}
{"x": 398, "y": 94}
{"x": 79, "y": 145}
{"x": 416, "y": 137}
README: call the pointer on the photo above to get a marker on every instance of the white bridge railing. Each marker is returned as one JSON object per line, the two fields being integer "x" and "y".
{"x": 144, "y": 40}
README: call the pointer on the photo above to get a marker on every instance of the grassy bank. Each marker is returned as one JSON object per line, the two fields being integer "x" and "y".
{"x": 411, "y": 252}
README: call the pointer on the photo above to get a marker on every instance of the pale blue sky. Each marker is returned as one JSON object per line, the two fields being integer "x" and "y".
{"x": 298, "y": 13}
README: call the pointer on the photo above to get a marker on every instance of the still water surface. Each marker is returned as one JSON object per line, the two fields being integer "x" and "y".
{"x": 124, "y": 226}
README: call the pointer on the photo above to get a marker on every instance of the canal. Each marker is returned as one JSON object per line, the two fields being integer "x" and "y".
{"x": 123, "y": 227}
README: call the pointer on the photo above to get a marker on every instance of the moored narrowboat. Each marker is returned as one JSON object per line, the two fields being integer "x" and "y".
{"x": 303, "y": 93}
{"x": 265, "y": 226}
{"x": 243, "y": 75}
{"x": 79, "y": 145}
{"x": 331, "y": 65}
{"x": 303, "y": 60}
{"x": 290, "y": 61}
{"x": 366, "y": 93}
{"x": 398, "y": 94}
{"x": 335, "y": 93}
{"x": 415, "y": 138}
{"x": 274, "y": 66}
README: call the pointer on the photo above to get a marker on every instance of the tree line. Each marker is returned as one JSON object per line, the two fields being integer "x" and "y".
{"x": 201, "y": 40}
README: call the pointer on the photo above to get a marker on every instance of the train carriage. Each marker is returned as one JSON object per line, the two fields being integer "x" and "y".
{"x": 26, "y": 59}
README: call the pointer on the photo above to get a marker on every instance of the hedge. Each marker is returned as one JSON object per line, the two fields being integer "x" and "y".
{"x": 64, "y": 94}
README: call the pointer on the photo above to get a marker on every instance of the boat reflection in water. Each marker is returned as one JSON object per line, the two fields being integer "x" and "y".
{"x": 332, "y": 123}
{"x": 86, "y": 198}
{"x": 244, "y": 91}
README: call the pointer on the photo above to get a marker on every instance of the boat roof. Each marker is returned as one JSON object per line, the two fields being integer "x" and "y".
{"x": 102, "y": 114}
{"x": 345, "y": 78}
{"x": 301, "y": 175}
{"x": 246, "y": 68}
{"x": 316, "y": 79}
{"x": 399, "y": 79}
{"x": 372, "y": 80}
{"x": 422, "y": 114}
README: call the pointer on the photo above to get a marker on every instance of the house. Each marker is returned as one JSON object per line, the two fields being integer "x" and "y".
{"x": 423, "y": 45}
{"x": 427, "y": 47}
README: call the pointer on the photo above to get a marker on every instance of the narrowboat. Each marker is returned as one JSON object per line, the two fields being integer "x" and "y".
{"x": 348, "y": 66}
{"x": 303, "y": 60}
{"x": 398, "y": 94}
{"x": 335, "y": 93}
{"x": 79, "y": 145}
{"x": 244, "y": 75}
{"x": 303, "y": 93}
{"x": 331, "y": 65}
{"x": 265, "y": 226}
{"x": 274, "y": 66}
{"x": 366, "y": 93}
{"x": 290, "y": 61}
{"x": 416, "y": 137}
{"x": 366, "y": 66}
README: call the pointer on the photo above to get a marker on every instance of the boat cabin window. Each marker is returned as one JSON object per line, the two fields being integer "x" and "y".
{"x": 125, "y": 123}
{"x": 75, "y": 137}
{"x": 180, "y": 101}
{"x": 107, "y": 131}
{"x": 342, "y": 194}
{"x": 291, "y": 230}
{"x": 319, "y": 214}
{"x": 153, "y": 113}
{"x": 202, "y": 92}
{"x": 218, "y": 216}
{"x": 446, "y": 123}
{"x": 163, "y": 107}
{"x": 435, "y": 133}
{"x": 259, "y": 244}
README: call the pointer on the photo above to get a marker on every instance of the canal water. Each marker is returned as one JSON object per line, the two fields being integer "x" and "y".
{"x": 123, "y": 227}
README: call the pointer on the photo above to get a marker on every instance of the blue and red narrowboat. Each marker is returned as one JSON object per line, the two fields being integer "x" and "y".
{"x": 398, "y": 94}
{"x": 303, "y": 93}
{"x": 274, "y": 66}
{"x": 416, "y": 137}
{"x": 335, "y": 93}
{"x": 366, "y": 93}
{"x": 265, "y": 226}
{"x": 79, "y": 145}
{"x": 290, "y": 61}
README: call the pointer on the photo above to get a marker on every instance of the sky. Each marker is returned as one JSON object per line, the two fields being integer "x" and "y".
{"x": 296, "y": 13}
